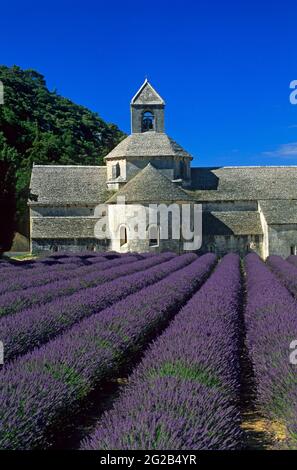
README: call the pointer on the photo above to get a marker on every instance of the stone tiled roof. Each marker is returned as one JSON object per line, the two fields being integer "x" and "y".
{"x": 63, "y": 227}
{"x": 69, "y": 184}
{"x": 244, "y": 183}
{"x": 232, "y": 223}
{"x": 149, "y": 185}
{"x": 147, "y": 95}
{"x": 279, "y": 211}
{"x": 148, "y": 144}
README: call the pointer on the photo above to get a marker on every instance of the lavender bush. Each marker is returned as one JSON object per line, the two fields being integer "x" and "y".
{"x": 40, "y": 386}
{"x": 286, "y": 272}
{"x": 12, "y": 302}
{"x": 271, "y": 322}
{"x": 45, "y": 276}
{"x": 24, "y": 269}
{"x": 292, "y": 259}
{"x": 24, "y": 330}
{"x": 184, "y": 394}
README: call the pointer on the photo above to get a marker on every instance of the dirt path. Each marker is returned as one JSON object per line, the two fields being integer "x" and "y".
{"x": 260, "y": 433}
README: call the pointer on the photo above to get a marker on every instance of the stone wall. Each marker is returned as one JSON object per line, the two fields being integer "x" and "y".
{"x": 121, "y": 162}
{"x": 281, "y": 239}
{"x": 137, "y": 113}
{"x": 241, "y": 244}
{"x": 265, "y": 250}
{"x": 165, "y": 165}
{"x": 68, "y": 244}
{"x": 125, "y": 216}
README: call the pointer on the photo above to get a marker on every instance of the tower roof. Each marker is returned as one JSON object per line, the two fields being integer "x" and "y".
{"x": 147, "y": 95}
{"x": 150, "y": 186}
{"x": 148, "y": 144}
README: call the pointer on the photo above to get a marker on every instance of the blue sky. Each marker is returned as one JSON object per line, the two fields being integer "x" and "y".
{"x": 223, "y": 67}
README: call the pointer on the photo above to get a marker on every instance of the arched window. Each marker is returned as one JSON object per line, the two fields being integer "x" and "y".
{"x": 153, "y": 235}
{"x": 116, "y": 171}
{"x": 147, "y": 121}
{"x": 123, "y": 235}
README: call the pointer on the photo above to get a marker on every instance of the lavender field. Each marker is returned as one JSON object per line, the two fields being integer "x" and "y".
{"x": 140, "y": 351}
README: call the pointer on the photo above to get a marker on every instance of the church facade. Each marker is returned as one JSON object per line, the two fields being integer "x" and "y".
{"x": 244, "y": 209}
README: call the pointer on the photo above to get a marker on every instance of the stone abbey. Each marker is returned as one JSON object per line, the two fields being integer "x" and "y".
{"x": 244, "y": 209}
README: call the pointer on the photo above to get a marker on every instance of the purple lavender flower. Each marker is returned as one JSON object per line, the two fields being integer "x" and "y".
{"x": 19, "y": 300}
{"x": 271, "y": 322}
{"x": 29, "y": 328}
{"x": 184, "y": 393}
{"x": 36, "y": 388}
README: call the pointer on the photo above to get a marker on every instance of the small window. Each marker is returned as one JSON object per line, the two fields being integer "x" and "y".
{"x": 147, "y": 121}
{"x": 123, "y": 235}
{"x": 294, "y": 250}
{"x": 54, "y": 248}
{"x": 116, "y": 171}
{"x": 153, "y": 235}
{"x": 181, "y": 170}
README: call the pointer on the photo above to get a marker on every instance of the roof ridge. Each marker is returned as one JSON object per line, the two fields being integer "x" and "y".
{"x": 69, "y": 166}
{"x": 218, "y": 167}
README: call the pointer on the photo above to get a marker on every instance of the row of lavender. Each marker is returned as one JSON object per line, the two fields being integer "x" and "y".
{"x": 61, "y": 263}
{"x": 185, "y": 392}
{"x": 57, "y": 258}
{"x": 38, "y": 388}
{"x": 189, "y": 395}
{"x": 18, "y": 300}
{"x": 155, "y": 395}
{"x": 27, "y": 329}
{"x": 20, "y": 271}
{"x": 46, "y": 275}
{"x": 271, "y": 322}
{"x": 285, "y": 270}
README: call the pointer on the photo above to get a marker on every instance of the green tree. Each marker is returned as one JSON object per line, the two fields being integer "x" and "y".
{"x": 39, "y": 126}
{"x": 7, "y": 195}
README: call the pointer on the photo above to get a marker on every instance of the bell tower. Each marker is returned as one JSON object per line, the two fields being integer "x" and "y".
{"x": 147, "y": 110}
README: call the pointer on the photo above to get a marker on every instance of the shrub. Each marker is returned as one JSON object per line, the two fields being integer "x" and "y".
{"x": 40, "y": 386}
{"x": 271, "y": 321}
{"x": 24, "y": 330}
{"x": 184, "y": 393}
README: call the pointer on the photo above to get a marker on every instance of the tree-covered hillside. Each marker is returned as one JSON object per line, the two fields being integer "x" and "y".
{"x": 40, "y": 126}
